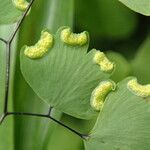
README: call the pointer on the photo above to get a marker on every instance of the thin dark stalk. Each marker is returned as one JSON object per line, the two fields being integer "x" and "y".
{"x": 8, "y": 60}
{"x": 49, "y": 111}
{"x": 20, "y": 22}
{"x": 7, "y": 77}
{"x": 2, "y": 118}
{"x": 3, "y": 40}
{"x": 83, "y": 136}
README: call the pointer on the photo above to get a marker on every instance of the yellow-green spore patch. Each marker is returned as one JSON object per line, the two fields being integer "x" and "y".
{"x": 20, "y": 4}
{"x": 41, "y": 47}
{"x": 99, "y": 94}
{"x": 138, "y": 89}
{"x": 105, "y": 64}
{"x": 73, "y": 38}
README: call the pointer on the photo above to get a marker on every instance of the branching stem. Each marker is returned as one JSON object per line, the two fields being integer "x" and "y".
{"x": 3, "y": 40}
{"x": 83, "y": 136}
{"x": 8, "y": 60}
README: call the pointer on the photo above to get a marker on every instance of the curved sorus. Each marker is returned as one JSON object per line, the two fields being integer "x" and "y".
{"x": 138, "y": 89}
{"x": 100, "y": 92}
{"x": 105, "y": 64}
{"x": 41, "y": 47}
{"x": 68, "y": 37}
{"x": 20, "y": 4}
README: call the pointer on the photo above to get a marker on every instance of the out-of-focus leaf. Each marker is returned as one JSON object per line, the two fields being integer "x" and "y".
{"x": 122, "y": 69}
{"x": 6, "y": 135}
{"x": 67, "y": 139}
{"x": 105, "y": 18}
{"x": 60, "y": 14}
{"x": 69, "y": 76}
{"x": 141, "y": 62}
{"x": 8, "y": 12}
{"x": 80, "y": 125}
{"x": 35, "y": 133}
{"x": 123, "y": 122}
{"x": 140, "y": 6}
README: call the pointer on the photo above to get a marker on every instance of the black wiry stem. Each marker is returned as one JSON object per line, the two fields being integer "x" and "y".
{"x": 83, "y": 136}
{"x": 8, "y": 48}
{"x": 3, "y": 40}
{"x": 49, "y": 111}
{"x": 8, "y": 60}
{"x": 20, "y": 22}
{"x": 7, "y": 77}
{"x": 2, "y": 118}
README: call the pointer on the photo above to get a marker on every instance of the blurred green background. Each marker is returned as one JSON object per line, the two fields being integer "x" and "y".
{"x": 115, "y": 29}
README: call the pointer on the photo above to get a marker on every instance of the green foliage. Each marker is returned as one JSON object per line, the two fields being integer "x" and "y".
{"x": 6, "y": 130}
{"x": 26, "y": 128}
{"x": 66, "y": 76}
{"x": 140, "y": 6}
{"x": 69, "y": 76}
{"x": 140, "y": 63}
{"x": 105, "y": 18}
{"x": 123, "y": 67}
{"x": 6, "y": 135}
{"x": 123, "y": 122}
{"x": 67, "y": 140}
{"x": 2, "y": 72}
{"x": 8, "y": 12}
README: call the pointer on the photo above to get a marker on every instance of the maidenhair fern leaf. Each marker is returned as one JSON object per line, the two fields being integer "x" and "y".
{"x": 65, "y": 75}
{"x": 124, "y": 122}
{"x": 11, "y": 10}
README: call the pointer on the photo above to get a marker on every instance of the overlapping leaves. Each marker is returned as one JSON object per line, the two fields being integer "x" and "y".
{"x": 123, "y": 123}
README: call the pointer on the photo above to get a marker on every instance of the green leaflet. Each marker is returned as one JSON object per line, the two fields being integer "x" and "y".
{"x": 123, "y": 122}
{"x": 141, "y": 62}
{"x": 65, "y": 77}
{"x": 8, "y": 12}
{"x": 140, "y": 6}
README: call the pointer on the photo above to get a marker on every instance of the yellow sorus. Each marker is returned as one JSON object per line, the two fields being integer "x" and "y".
{"x": 105, "y": 64}
{"x": 138, "y": 89}
{"x": 41, "y": 47}
{"x": 20, "y": 4}
{"x": 72, "y": 38}
{"x": 99, "y": 94}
